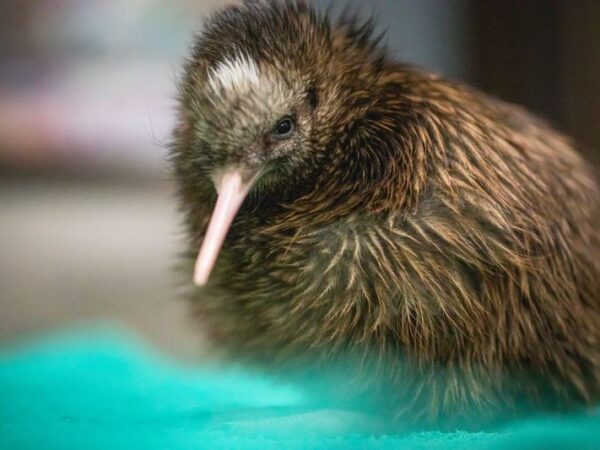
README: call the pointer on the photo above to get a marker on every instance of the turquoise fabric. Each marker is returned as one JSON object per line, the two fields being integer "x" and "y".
{"x": 105, "y": 390}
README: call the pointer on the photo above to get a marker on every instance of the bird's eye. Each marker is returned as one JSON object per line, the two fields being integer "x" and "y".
{"x": 283, "y": 128}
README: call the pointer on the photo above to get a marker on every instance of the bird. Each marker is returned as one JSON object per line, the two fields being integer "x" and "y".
{"x": 339, "y": 203}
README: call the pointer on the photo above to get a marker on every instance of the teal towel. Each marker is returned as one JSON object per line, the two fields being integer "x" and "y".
{"x": 106, "y": 390}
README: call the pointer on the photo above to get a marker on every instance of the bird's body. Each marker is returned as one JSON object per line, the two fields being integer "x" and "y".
{"x": 411, "y": 220}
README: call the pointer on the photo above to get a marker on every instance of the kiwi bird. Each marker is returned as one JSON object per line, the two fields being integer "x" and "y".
{"x": 346, "y": 202}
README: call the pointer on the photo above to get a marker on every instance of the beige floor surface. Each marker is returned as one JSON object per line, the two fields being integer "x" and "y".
{"x": 75, "y": 252}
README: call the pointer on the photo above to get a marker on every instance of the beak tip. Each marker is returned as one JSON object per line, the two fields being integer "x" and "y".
{"x": 200, "y": 278}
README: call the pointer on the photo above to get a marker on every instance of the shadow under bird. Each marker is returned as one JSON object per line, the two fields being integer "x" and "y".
{"x": 347, "y": 204}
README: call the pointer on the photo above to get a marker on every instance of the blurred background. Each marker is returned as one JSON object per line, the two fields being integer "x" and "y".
{"x": 88, "y": 223}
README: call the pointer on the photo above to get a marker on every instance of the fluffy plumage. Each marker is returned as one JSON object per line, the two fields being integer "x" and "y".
{"x": 409, "y": 218}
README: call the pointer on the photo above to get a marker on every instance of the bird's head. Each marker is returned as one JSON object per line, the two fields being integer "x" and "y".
{"x": 269, "y": 93}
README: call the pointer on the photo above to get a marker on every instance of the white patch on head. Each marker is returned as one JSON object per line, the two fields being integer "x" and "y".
{"x": 237, "y": 74}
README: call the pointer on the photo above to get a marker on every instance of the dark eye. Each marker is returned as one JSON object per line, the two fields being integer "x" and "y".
{"x": 283, "y": 128}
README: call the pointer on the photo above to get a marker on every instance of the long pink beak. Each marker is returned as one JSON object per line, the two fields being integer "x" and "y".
{"x": 232, "y": 191}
